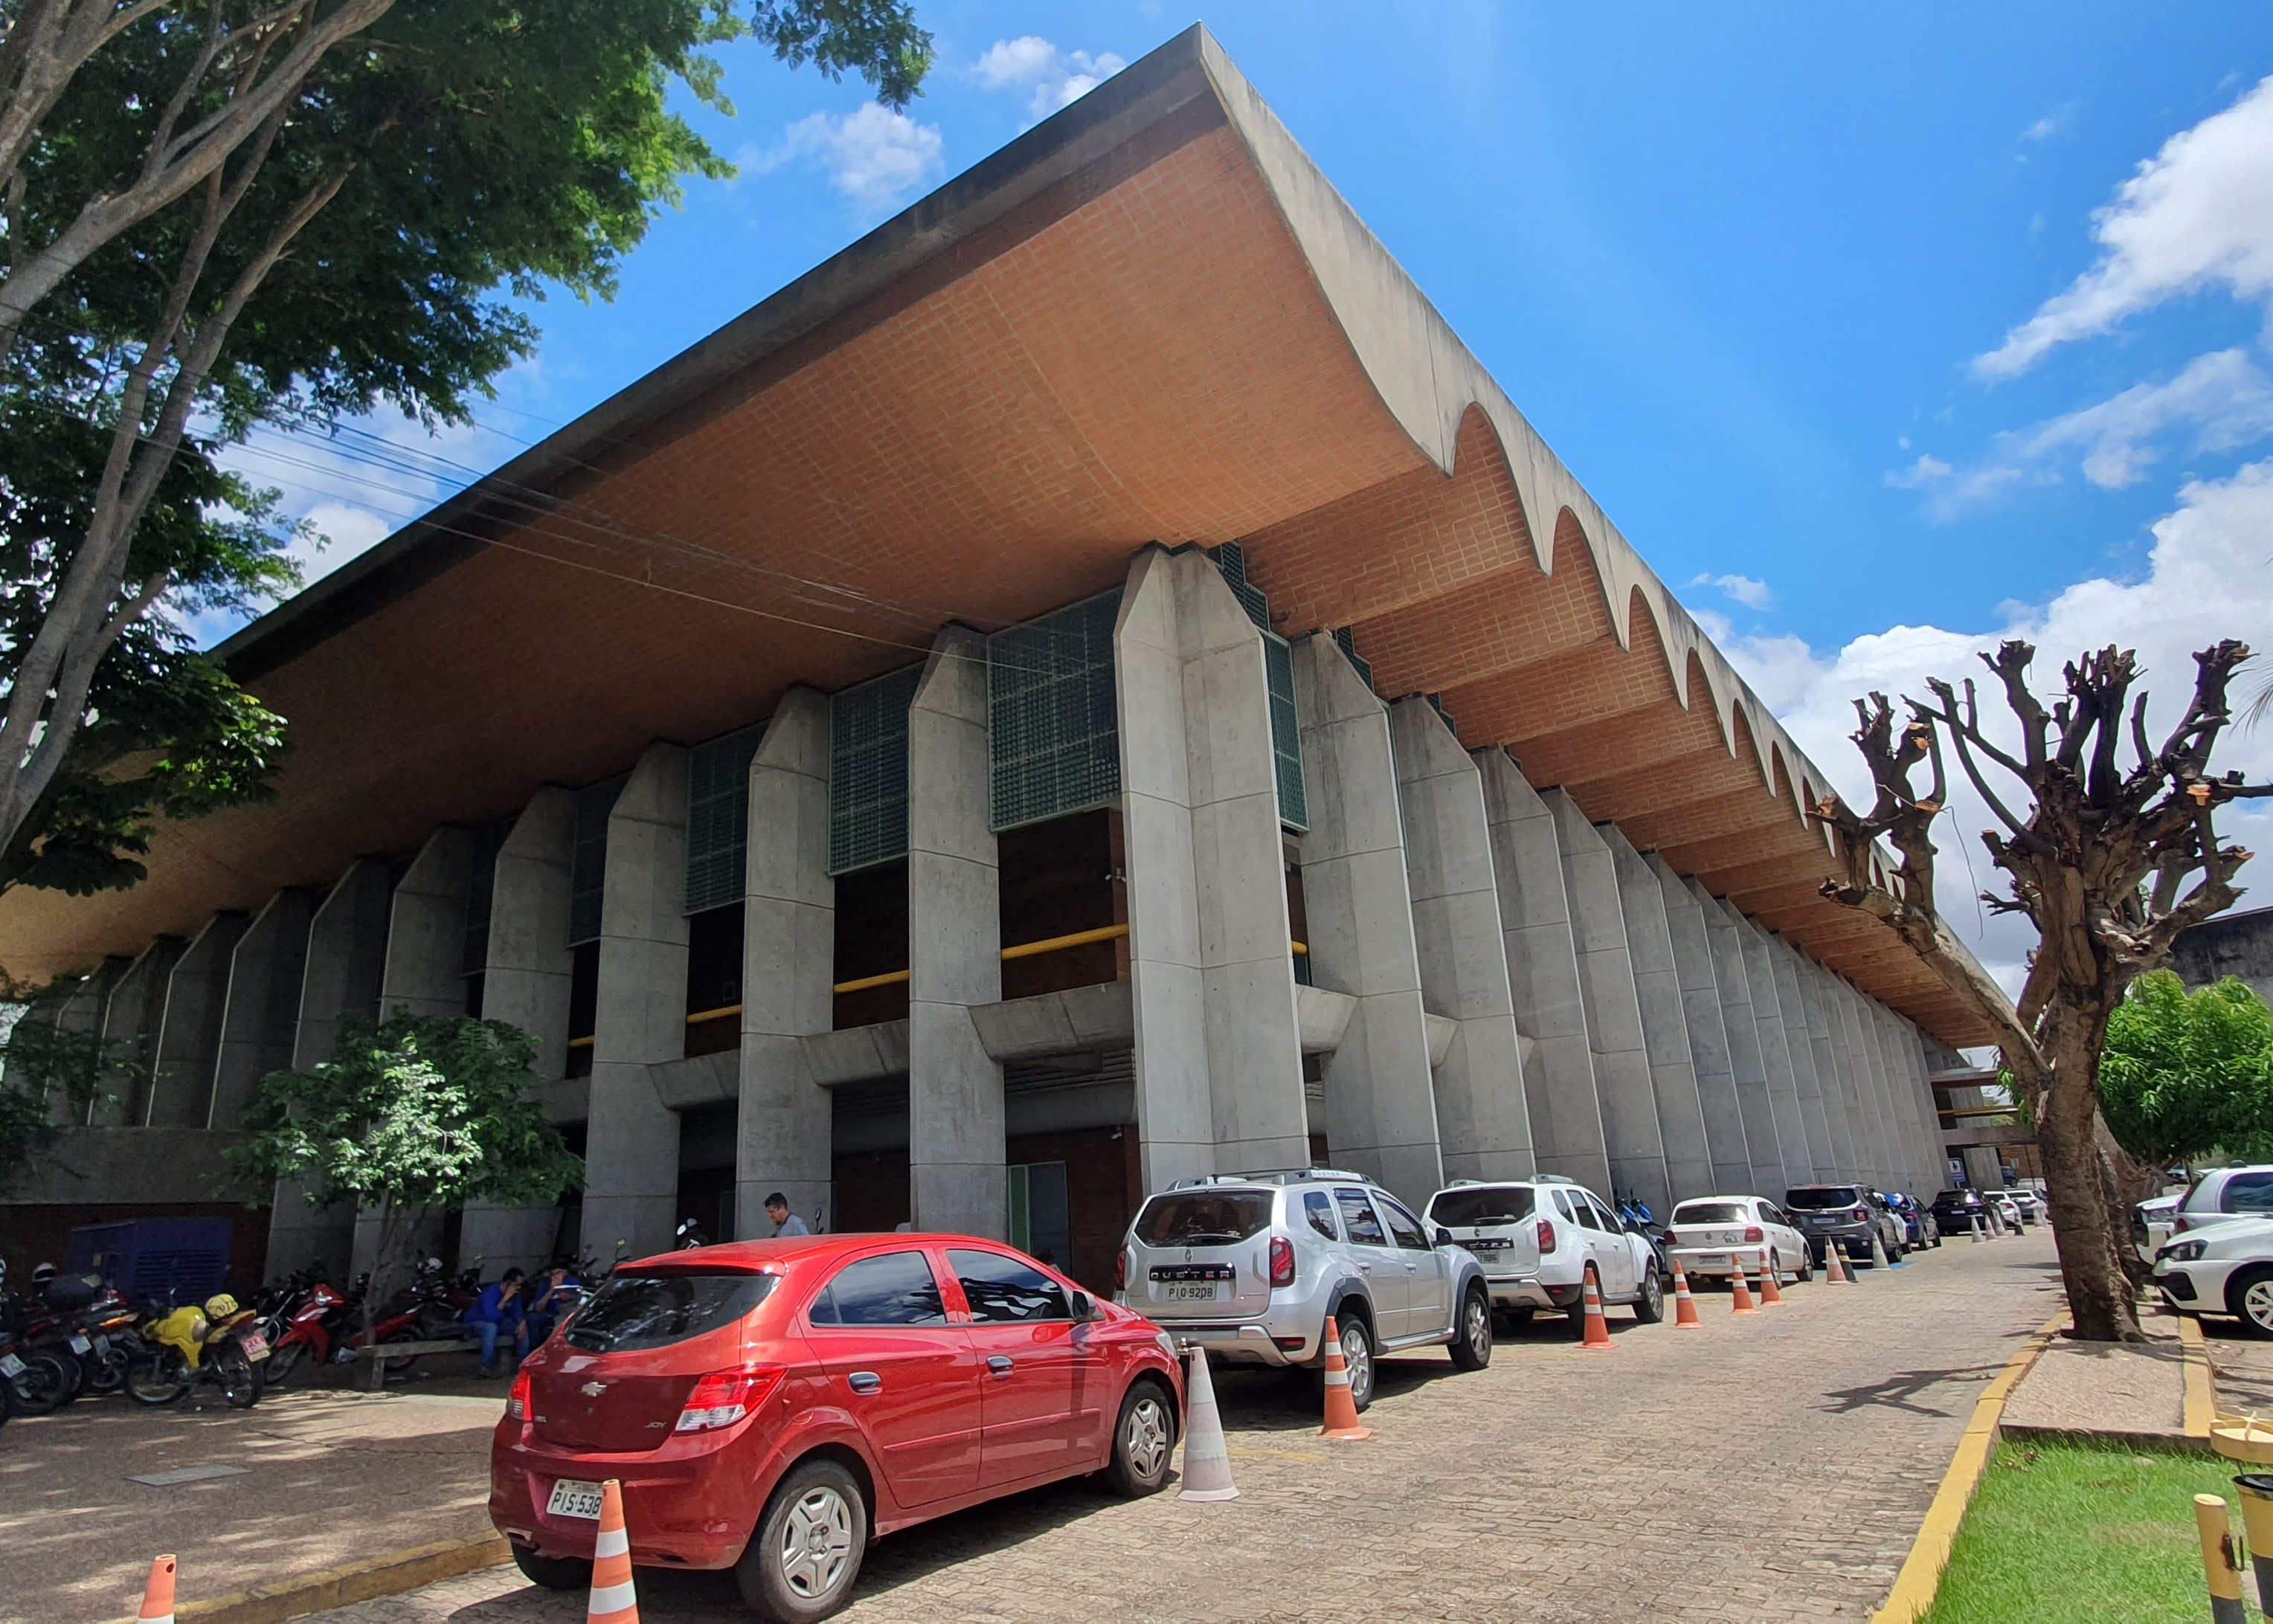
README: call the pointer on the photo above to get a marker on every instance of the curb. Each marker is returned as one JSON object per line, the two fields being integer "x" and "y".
{"x": 1914, "y": 1586}
{"x": 390, "y": 1574}
{"x": 2201, "y": 1401}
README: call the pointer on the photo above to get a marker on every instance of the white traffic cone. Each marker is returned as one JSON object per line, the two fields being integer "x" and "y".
{"x": 1207, "y": 1460}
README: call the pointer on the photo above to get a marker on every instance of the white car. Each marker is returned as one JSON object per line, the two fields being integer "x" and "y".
{"x": 2009, "y": 1209}
{"x": 2152, "y": 1224}
{"x": 1711, "y": 1233}
{"x": 2225, "y": 1269}
{"x": 2222, "y": 1194}
{"x": 1538, "y": 1239}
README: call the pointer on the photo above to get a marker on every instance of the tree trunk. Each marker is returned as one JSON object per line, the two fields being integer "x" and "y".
{"x": 2101, "y": 1299}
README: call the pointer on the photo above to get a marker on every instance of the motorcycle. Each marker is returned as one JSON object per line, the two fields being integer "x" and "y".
{"x": 312, "y": 1324}
{"x": 216, "y": 1340}
{"x": 32, "y": 1381}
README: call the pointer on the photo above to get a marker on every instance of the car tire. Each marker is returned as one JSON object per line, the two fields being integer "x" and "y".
{"x": 1143, "y": 1440}
{"x": 1357, "y": 1357}
{"x": 1805, "y": 1272}
{"x": 1472, "y": 1332}
{"x": 2249, "y": 1298}
{"x": 805, "y": 1555}
{"x": 1650, "y": 1302}
{"x": 1576, "y": 1315}
{"x": 552, "y": 1573}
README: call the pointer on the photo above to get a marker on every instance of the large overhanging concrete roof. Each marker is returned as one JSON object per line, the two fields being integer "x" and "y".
{"x": 1151, "y": 318}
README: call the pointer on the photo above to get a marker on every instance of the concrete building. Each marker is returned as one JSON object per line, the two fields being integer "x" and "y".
{"x": 1092, "y": 686}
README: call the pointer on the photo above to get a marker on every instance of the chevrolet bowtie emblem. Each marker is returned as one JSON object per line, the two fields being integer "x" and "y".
{"x": 592, "y": 1390}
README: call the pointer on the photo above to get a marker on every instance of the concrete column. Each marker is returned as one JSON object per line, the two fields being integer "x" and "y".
{"x": 1747, "y": 1059}
{"x": 1217, "y": 1050}
{"x": 426, "y": 928}
{"x": 1542, "y": 969}
{"x": 79, "y": 1015}
{"x": 1664, "y": 1021}
{"x": 1709, "y": 1052}
{"x": 631, "y": 1143}
{"x": 1912, "y": 1161}
{"x": 1613, "y": 1031}
{"x": 1483, "y": 1119}
{"x": 1806, "y": 1084}
{"x": 1775, "y": 1052}
{"x": 1935, "y": 1172}
{"x": 1878, "y": 1161}
{"x": 346, "y": 960}
{"x": 131, "y": 1017}
{"x": 189, "y": 1028}
{"x": 955, "y": 1175}
{"x": 262, "y": 1012}
{"x": 789, "y": 948}
{"x": 1838, "y": 1096}
{"x": 1381, "y": 1106}
{"x": 1862, "y": 1126}
{"x": 525, "y": 976}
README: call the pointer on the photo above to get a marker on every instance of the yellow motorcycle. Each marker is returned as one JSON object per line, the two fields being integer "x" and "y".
{"x": 215, "y": 1340}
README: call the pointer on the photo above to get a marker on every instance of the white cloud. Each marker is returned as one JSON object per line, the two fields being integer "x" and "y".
{"x": 1920, "y": 473}
{"x": 2051, "y": 124}
{"x": 2198, "y": 214}
{"x": 1051, "y": 77}
{"x": 1745, "y": 590}
{"x": 2209, "y": 576}
{"x": 873, "y": 156}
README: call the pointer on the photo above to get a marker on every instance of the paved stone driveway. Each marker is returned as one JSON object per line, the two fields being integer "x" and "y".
{"x": 1769, "y": 1469}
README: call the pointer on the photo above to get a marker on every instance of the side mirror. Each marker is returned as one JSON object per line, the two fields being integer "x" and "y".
{"x": 1084, "y": 1307}
{"x": 1443, "y": 1236}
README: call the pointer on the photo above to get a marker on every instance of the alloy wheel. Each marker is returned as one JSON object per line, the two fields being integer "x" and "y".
{"x": 2257, "y": 1303}
{"x": 816, "y": 1542}
{"x": 1144, "y": 1436}
{"x": 1477, "y": 1326}
{"x": 1357, "y": 1359}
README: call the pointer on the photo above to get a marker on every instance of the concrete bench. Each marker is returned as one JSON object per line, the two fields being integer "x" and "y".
{"x": 373, "y": 1362}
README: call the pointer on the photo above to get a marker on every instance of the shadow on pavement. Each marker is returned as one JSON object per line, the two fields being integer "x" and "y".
{"x": 1897, "y": 1391}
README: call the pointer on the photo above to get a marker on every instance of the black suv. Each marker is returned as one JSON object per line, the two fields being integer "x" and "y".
{"x": 1954, "y": 1211}
{"x": 1845, "y": 1214}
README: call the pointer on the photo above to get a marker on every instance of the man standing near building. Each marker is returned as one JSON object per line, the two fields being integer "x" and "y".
{"x": 785, "y": 1222}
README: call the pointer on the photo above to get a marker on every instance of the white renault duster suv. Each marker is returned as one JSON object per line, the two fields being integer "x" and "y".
{"x": 1539, "y": 1238}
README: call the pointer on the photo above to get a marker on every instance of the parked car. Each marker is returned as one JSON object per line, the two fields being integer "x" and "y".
{"x": 2223, "y": 1269}
{"x": 2009, "y": 1209}
{"x": 1538, "y": 1239}
{"x": 771, "y": 1406}
{"x": 2030, "y": 1203}
{"x": 1954, "y": 1211}
{"x": 2151, "y": 1222}
{"x": 1845, "y": 1215}
{"x": 2223, "y": 1192}
{"x": 1710, "y": 1234}
{"x": 1920, "y": 1229}
{"x": 1250, "y": 1265}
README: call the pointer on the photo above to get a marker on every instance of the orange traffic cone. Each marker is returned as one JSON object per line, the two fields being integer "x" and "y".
{"x": 1597, "y": 1339}
{"x": 158, "y": 1594}
{"x": 1740, "y": 1292}
{"x": 1684, "y": 1306}
{"x": 1341, "y": 1408}
{"x": 1835, "y": 1266}
{"x": 1771, "y": 1288}
{"x": 612, "y": 1601}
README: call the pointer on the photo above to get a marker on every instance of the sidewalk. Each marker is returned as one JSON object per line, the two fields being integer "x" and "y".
{"x": 304, "y": 1481}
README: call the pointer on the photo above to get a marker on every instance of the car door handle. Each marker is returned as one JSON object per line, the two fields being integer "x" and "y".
{"x": 864, "y": 1381}
{"x": 1365, "y": 1266}
{"x": 1412, "y": 1268}
{"x": 999, "y": 1362}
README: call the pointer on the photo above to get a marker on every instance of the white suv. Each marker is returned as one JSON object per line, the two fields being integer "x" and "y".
{"x": 1250, "y": 1265}
{"x": 2222, "y": 1194}
{"x": 1537, "y": 1239}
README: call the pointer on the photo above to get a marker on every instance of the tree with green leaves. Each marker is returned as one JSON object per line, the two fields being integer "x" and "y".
{"x": 413, "y": 1116}
{"x": 285, "y": 212}
{"x": 2184, "y": 1076}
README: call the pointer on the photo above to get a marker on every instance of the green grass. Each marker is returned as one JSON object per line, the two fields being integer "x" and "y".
{"x": 2059, "y": 1532}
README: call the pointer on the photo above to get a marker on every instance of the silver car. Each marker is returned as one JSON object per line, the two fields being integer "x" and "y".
{"x": 1540, "y": 1237}
{"x": 1250, "y": 1265}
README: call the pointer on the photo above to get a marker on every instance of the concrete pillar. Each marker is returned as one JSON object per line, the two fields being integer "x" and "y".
{"x": 1747, "y": 1059}
{"x": 346, "y": 960}
{"x": 525, "y": 977}
{"x": 1613, "y": 1031}
{"x": 131, "y": 1017}
{"x": 1381, "y": 1105}
{"x": 1784, "y": 964}
{"x": 1775, "y": 1052}
{"x": 1838, "y": 1095}
{"x": 955, "y": 1175}
{"x": 1935, "y": 1172}
{"x": 1709, "y": 1052}
{"x": 262, "y": 1012}
{"x": 1912, "y": 1160}
{"x": 1863, "y": 1126}
{"x": 1877, "y": 1163}
{"x": 79, "y": 1020}
{"x": 1218, "y": 1051}
{"x": 1664, "y": 1021}
{"x": 631, "y": 1142}
{"x": 426, "y": 928}
{"x": 188, "y": 1029}
{"x": 1483, "y": 1123}
{"x": 789, "y": 948}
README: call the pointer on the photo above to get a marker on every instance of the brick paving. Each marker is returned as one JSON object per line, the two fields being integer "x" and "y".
{"x": 1769, "y": 1469}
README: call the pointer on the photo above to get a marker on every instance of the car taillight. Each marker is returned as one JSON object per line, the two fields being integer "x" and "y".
{"x": 1545, "y": 1238}
{"x": 2179, "y": 1224}
{"x": 516, "y": 1402}
{"x": 1754, "y": 1235}
{"x": 1282, "y": 1261}
{"x": 1121, "y": 1269}
{"x": 1859, "y": 1214}
{"x": 724, "y": 1397}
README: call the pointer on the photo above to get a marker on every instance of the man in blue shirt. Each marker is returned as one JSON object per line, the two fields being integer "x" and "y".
{"x": 557, "y": 1294}
{"x": 495, "y": 1312}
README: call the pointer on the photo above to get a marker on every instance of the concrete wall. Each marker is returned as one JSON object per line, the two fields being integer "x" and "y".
{"x": 261, "y": 1016}
{"x": 188, "y": 1029}
{"x": 1664, "y": 1021}
{"x": 1710, "y": 1052}
{"x": 426, "y": 928}
{"x": 131, "y": 1017}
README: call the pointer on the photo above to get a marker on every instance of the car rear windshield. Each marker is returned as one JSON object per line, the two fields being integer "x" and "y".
{"x": 1492, "y": 1204}
{"x": 1824, "y": 1195}
{"x": 1711, "y": 1212}
{"x": 632, "y": 1312}
{"x": 1204, "y": 1217}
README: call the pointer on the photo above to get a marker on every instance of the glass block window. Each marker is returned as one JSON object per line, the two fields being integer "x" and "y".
{"x": 868, "y": 771}
{"x": 1437, "y": 703}
{"x": 718, "y": 819}
{"x": 1231, "y": 558}
{"x": 1347, "y": 639}
{"x": 1054, "y": 733}
{"x": 588, "y": 872}
{"x": 1279, "y": 671}
{"x": 481, "y": 887}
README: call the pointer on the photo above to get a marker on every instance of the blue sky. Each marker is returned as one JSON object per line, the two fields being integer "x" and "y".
{"x": 1866, "y": 326}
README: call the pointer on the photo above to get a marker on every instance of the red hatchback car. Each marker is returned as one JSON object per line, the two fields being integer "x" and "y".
{"x": 772, "y": 1405}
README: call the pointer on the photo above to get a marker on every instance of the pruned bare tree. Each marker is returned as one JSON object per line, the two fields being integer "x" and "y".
{"x": 2109, "y": 863}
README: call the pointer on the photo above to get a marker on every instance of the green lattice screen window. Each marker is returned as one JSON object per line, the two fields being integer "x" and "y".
{"x": 588, "y": 872}
{"x": 1279, "y": 672}
{"x": 1053, "y": 732}
{"x": 868, "y": 771}
{"x": 481, "y": 890}
{"x": 718, "y": 817}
